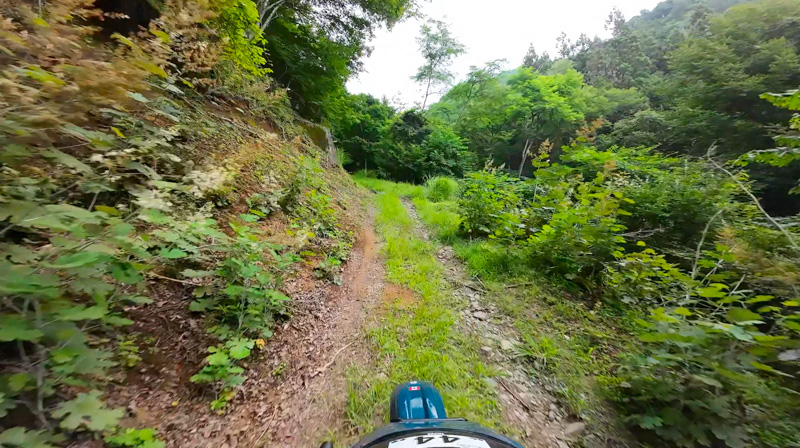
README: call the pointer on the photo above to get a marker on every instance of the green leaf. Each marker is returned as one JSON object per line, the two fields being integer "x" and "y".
{"x": 218, "y": 359}
{"x": 77, "y": 313}
{"x": 651, "y": 422}
{"x": 768, "y": 309}
{"x": 40, "y": 74}
{"x": 741, "y": 315}
{"x": 107, "y": 210}
{"x": 13, "y": 328}
{"x": 154, "y": 69}
{"x": 18, "y": 381}
{"x": 276, "y": 297}
{"x": 6, "y": 404}
{"x": 164, "y": 37}
{"x": 67, "y": 160}
{"x": 790, "y": 324}
{"x": 126, "y": 273}
{"x": 18, "y": 254}
{"x": 682, "y": 311}
{"x": 240, "y": 348}
{"x": 172, "y": 253}
{"x": 769, "y": 369}
{"x": 711, "y": 293}
{"x": 662, "y": 337}
{"x": 97, "y": 139}
{"x": 759, "y": 299}
{"x": 707, "y": 380}
{"x": 138, "y": 438}
{"x": 89, "y": 411}
{"x": 191, "y": 273}
{"x": 734, "y": 437}
{"x": 117, "y": 321}
{"x": 78, "y": 259}
{"x": 201, "y": 305}
{"x": 22, "y": 438}
{"x": 18, "y": 211}
{"x": 118, "y": 132}
{"x": 138, "y": 97}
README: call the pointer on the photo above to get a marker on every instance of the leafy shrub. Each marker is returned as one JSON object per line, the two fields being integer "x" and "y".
{"x": 643, "y": 278}
{"x": 677, "y": 204}
{"x": 671, "y": 201}
{"x": 487, "y": 199}
{"x": 221, "y": 370}
{"x": 581, "y": 233}
{"x": 237, "y": 21}
{"x": 440, "y": 189}
{"x": 695, "y": 382}
{"x": 706, "y": 355}
{"x": 128, "y": 352}
{"x": 414, "y": 149}
{"x": 76, "y": 173}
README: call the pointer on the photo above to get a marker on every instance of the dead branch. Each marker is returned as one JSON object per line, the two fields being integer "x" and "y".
{"x": 324, "y": 368}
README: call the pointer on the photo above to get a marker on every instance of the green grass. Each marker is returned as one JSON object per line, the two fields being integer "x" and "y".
{"x": 417, "y": 339}
{"x": 569, "y": 344}
{"x": 441, "y": 189}
{"x": 490, "y": 260}
{"x": 441, "y": 217}
{"x": 385, "y": 186}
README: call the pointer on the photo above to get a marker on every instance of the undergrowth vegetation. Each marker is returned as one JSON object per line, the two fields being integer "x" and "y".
{"x": 581, "y": 265}
{"x": 117, "y": 175}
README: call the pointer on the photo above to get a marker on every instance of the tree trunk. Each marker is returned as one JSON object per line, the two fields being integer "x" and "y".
{"x": 427, "y": 92}
{"x": 528, "y": 145}
{"x": 267, "y": 12}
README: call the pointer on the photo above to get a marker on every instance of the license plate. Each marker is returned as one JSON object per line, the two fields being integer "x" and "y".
{"x": 438, "y": 440}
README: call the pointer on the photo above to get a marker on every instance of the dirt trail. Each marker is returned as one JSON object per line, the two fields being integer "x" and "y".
{"x": 323, "y": 341}
{"x": 527, "y": 406}
{"x": 295, "y": 394}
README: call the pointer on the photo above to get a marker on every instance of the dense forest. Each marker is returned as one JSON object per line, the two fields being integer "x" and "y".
{"x": 176, "y": 226}
{"x": 679, "y": 79}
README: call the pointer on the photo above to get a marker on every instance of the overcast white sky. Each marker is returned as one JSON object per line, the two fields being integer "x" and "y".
{"x": 490, "y": 29}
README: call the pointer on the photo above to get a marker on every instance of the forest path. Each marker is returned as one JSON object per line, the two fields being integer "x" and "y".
{"x": 528, "y": 409}
{"x": 296, "y": 391}
{"x": 323, "y": 340}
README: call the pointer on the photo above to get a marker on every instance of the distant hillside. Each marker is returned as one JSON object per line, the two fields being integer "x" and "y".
{"x": 676, "y": 10}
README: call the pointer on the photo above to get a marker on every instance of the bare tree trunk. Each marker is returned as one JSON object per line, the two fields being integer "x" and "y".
{"x": 267, "y": 11}
{"x": 427, "y": 93}
{"x": 528, "y": 145}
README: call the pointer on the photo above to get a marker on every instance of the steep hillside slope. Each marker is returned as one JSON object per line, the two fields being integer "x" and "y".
{"x": 160, "y": 206}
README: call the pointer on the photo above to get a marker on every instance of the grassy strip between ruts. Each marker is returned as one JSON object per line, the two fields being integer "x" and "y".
{"x": 415, "y": 337}
{"x": 386, "y": 186}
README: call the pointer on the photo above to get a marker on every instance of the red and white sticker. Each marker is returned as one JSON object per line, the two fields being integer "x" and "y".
{"x": 438, "y": 440}
{"x": 413, "y": 388}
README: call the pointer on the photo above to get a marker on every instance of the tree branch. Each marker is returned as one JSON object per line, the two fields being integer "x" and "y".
{"x": 755, "y": 200}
